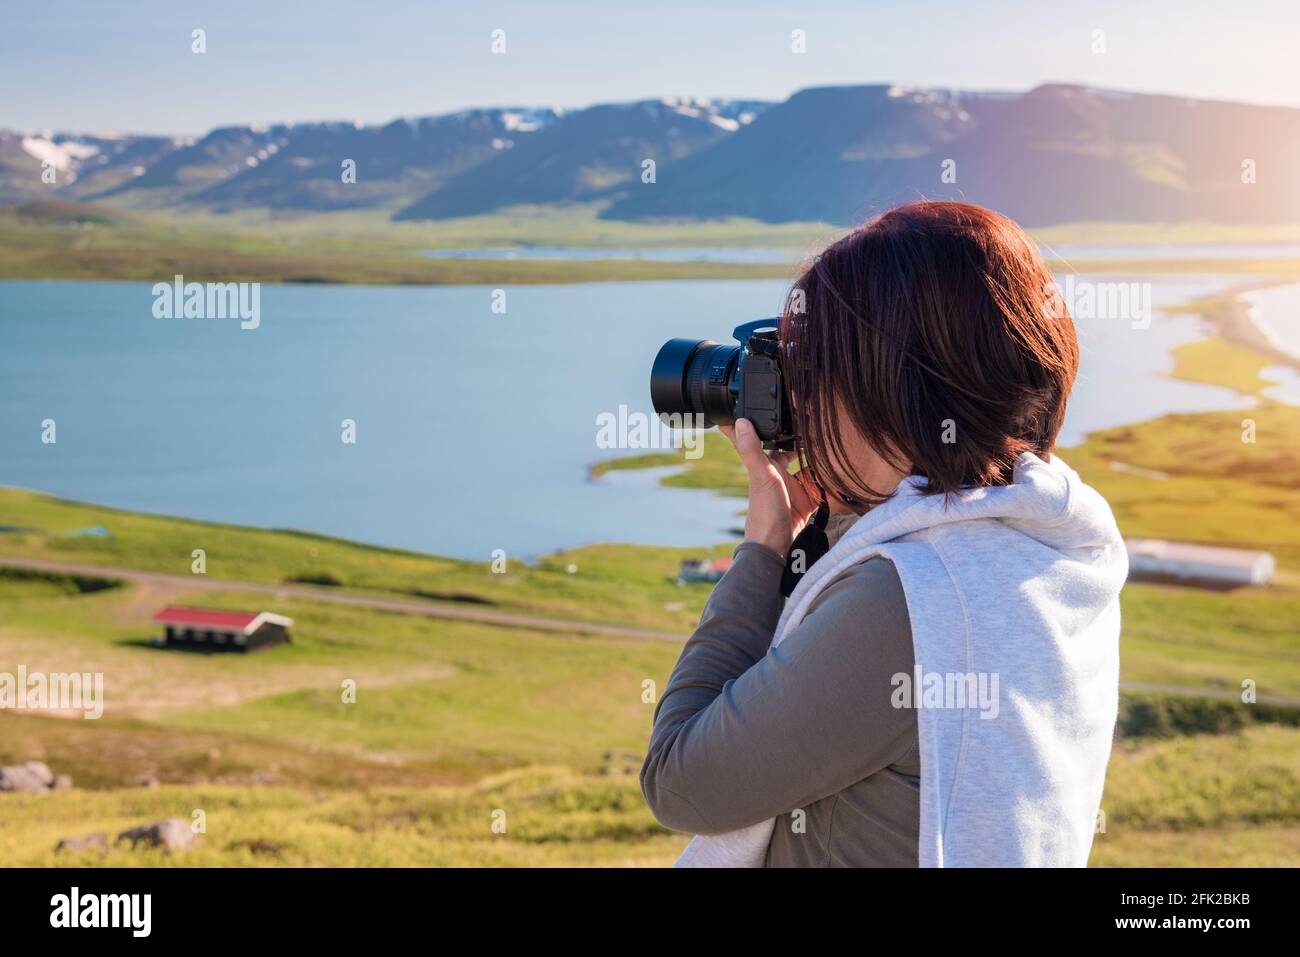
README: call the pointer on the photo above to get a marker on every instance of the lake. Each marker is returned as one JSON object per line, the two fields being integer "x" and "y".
{"x": 474, "y": 430}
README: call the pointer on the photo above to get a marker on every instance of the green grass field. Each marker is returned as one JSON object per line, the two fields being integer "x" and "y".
{"x": 1165, "y": 804}
{"x": 65, "y": 241}
{"x": 453, "y": 723}
{"x": 631, "y": 585}
{"x": 552, "y": 817}
{"x": 55, "y": 239}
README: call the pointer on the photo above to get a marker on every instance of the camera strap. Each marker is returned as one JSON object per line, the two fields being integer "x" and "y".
{"x": 809, "y": 545}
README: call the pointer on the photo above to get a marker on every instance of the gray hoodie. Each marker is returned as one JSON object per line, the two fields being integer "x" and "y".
{"x": 1013, "y": 597}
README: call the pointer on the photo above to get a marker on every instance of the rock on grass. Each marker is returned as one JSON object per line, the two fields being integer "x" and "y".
{"x": 171, "y": 834}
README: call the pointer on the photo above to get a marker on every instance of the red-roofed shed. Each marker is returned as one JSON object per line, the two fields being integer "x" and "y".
{"x": 208, "y": 629}
{"x": 703, "y": 570}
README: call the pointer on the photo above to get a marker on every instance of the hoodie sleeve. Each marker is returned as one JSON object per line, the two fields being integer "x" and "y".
{"x": 742, "y": 734}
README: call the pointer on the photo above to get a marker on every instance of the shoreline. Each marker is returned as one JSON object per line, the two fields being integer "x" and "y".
{"x": 1231, "y": 319}
{"x": 401, "y": 270}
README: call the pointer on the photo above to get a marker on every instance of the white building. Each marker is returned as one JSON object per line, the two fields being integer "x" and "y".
{"x": 1201, "y": 564}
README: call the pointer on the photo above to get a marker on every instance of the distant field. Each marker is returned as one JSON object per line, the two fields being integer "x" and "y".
{"x": 1216, "y": 488}
{"x": 59, "y": 240}
{"x": 632, "y": 585}
{"x": 147, "y": 252}
{"x": 68, "y": 241}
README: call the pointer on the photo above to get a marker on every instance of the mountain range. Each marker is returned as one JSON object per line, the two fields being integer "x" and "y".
{"x": 1057, "y": 153}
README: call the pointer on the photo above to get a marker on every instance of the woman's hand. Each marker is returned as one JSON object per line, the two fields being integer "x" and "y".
{"x": 779, "y": 503}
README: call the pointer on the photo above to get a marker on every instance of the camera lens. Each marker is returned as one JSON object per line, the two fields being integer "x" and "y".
{"x": 690, "y": 376}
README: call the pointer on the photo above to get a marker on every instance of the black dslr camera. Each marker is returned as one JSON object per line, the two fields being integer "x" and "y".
{"x": 726, "y": 383}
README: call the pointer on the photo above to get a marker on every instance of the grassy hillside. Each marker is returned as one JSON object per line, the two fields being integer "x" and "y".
{"x": 1165, "y": 803}
{"x": 553, "y": 818}
{"x": 1202, "y": 482}
{"x": 628, "y": 584}
{"x": 455, "y": 700}
{"x": 452, "y": 724}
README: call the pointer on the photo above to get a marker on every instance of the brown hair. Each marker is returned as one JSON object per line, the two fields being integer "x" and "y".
{"x": 933, "y": 320}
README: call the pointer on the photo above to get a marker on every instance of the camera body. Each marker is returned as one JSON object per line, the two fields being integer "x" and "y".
{"x": 724, "y": 383}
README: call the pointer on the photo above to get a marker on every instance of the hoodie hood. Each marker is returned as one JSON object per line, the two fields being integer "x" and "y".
{"x": 1046, "y": 502}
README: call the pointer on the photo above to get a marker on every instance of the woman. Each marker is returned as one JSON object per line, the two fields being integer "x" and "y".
{"x": 941, "y": 687}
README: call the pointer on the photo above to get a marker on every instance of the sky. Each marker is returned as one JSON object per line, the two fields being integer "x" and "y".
{"x": 128, "y": 65}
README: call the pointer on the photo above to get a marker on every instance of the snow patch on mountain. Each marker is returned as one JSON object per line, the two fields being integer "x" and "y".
{"x": 724, "y": 114}
{"x": 62, "y": 155}
{"x": 519, "y": 121}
